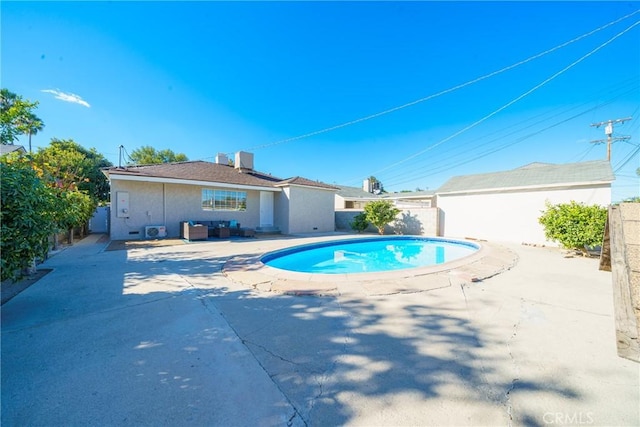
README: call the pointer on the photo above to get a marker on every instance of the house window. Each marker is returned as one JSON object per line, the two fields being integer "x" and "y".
{"x": 222, "y": 200}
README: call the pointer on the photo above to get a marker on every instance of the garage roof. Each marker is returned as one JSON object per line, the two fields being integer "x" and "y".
{"x": 533, "y": 175}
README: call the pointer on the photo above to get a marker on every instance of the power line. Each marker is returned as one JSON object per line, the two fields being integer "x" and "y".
{"x": 609, "y": 132}
{"x": 513, "y": 101}
{"x": 443, "y": 92}
{"x": 499, "y": 148}
{"x": 416, "y": 171}
{"x": 405, "y": 175}
{"x": 627, "y": 160}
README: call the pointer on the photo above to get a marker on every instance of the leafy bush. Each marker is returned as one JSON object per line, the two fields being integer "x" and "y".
{"x": 359, "y": 222}
{"x": 574, "y": 225}
{"x": 380, "y": 213}
{"x": 28, "y": 206}
{"x": 75, "y": 209}
{"x": 32, "y": 210}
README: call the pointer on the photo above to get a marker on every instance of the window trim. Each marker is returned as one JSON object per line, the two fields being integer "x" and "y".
{"x": 212, "y": 199}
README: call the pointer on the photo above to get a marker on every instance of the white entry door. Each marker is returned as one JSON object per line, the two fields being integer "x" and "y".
{"x": 266, "y": 209}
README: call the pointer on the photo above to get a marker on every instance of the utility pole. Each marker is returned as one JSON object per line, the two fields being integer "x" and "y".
{"x": 608, "y": 130}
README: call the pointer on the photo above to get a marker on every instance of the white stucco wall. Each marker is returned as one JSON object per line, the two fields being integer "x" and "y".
{"x": 423, "y": 221}
{"x": 310, "y": 210}
{"x": 510, "y": 216}
{"x": 281, "y": 210}
{"x": 168, "y": 205}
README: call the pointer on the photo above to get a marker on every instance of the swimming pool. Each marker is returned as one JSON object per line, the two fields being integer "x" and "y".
{"x": 369, "y": 255}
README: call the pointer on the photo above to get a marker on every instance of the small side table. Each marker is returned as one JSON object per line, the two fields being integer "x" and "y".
{"x": 222, "y": 232}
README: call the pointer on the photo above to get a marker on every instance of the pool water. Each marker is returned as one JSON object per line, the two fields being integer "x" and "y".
{"x": 369, "y": 255}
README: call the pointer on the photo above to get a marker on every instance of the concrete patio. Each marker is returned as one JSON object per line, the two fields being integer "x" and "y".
{"x": 160, "y": 336}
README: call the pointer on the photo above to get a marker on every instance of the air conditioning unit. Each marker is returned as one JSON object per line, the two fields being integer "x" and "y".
{"x": 155, "y": 231}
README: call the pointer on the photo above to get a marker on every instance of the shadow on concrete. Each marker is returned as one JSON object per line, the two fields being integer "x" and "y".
{"x": 328, "y": 355}
{"x": 140, "y": 338}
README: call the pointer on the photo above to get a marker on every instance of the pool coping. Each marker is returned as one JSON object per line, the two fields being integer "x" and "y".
{"x": 249, "y": 271}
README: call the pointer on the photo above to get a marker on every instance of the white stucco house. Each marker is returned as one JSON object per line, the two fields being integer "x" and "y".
{"x": 166, "y": 194}
{"x": 505, "y": 206}
{"x": 418, "y": 214}
{"x": 357, "y": 197}
{"x": 347, "y": 197}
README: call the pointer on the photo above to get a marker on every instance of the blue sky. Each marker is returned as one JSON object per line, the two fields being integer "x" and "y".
{"x": 207, "y": 77}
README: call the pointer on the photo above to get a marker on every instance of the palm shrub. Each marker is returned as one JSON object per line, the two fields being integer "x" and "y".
{"x": 574, "y": 225}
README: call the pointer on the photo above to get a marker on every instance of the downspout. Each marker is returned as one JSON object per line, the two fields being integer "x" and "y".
{"x": 164, "y": 204}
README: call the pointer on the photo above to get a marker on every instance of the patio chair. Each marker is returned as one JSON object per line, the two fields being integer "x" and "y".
{"x": 191, "y": 231}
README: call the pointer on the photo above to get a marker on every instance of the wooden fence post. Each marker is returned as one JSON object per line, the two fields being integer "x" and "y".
{"x": 624, "y": 236}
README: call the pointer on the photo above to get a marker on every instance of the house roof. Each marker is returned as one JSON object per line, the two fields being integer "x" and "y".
{"x": 355, "y": 193}
{"x": 209, "y": 172}
{"x": 298, "y": 180}
{"x": 10, "y": 148}
{"x": 422, "y": 194}
{"x": 533, "y": 175}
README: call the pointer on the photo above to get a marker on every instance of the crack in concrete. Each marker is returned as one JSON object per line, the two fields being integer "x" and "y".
{"x": 485, "y": 387}
{"x": 508, "y": 400}
{"x": 324, "y": 375}
{"x": 492, "y": 394}
{"x": 507, "y": 397}
{"x": 266, "y": 350}
{"x": 290, "y": 420}
{"x": 214, "y": 311}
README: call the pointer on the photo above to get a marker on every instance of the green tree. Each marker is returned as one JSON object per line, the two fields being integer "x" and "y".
{"x": 380, "y": 213}
{"x": 75, "y": 177}
{"x": 26, "y": 217}
{"x": 574, "y": 225}
{"x": 359, "y": 222}
{"x": 31, "y": 125}
{"x": 74, "y": 209}
{"x": 73, "y": 167}
{"x": 148, "y": 155}
{"x": 17, "y": 117}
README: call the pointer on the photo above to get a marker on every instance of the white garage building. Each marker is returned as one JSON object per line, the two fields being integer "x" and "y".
{"x": 505, "y": 206}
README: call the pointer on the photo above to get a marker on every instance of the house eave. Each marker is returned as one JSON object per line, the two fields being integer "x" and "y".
{"x": 527, "y": 188}
{"x": 138, "y": 178}
{"x": 422, "y": 197}
{"x": 281, "y": 185}
{"x": 360, "y": 199}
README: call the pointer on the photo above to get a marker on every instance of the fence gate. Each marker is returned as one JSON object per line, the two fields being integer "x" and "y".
{"x": 99, "y": 223}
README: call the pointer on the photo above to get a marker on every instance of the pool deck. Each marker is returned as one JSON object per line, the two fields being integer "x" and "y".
{"x": 159, "y": 335}
{"x": 491, "y": 259}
